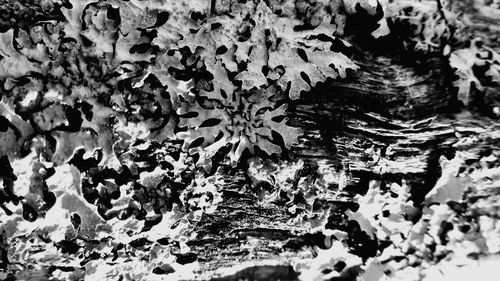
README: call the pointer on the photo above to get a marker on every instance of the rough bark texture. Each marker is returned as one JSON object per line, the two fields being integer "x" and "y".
{"x": 393, "y": 103}
{"x": 405, "y": 109}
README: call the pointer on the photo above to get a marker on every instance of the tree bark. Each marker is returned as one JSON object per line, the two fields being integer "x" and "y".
{"x": 406, "y": 110}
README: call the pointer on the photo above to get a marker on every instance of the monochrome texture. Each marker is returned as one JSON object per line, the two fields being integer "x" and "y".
{"x": 353, "y": 140}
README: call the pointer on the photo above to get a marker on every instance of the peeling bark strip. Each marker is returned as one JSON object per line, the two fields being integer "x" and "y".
{"x": 249, "y": 140}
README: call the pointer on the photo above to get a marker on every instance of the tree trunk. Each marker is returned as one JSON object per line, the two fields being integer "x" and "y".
{"x": 406, "y": 110}
{"x": 391, "y": 120}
